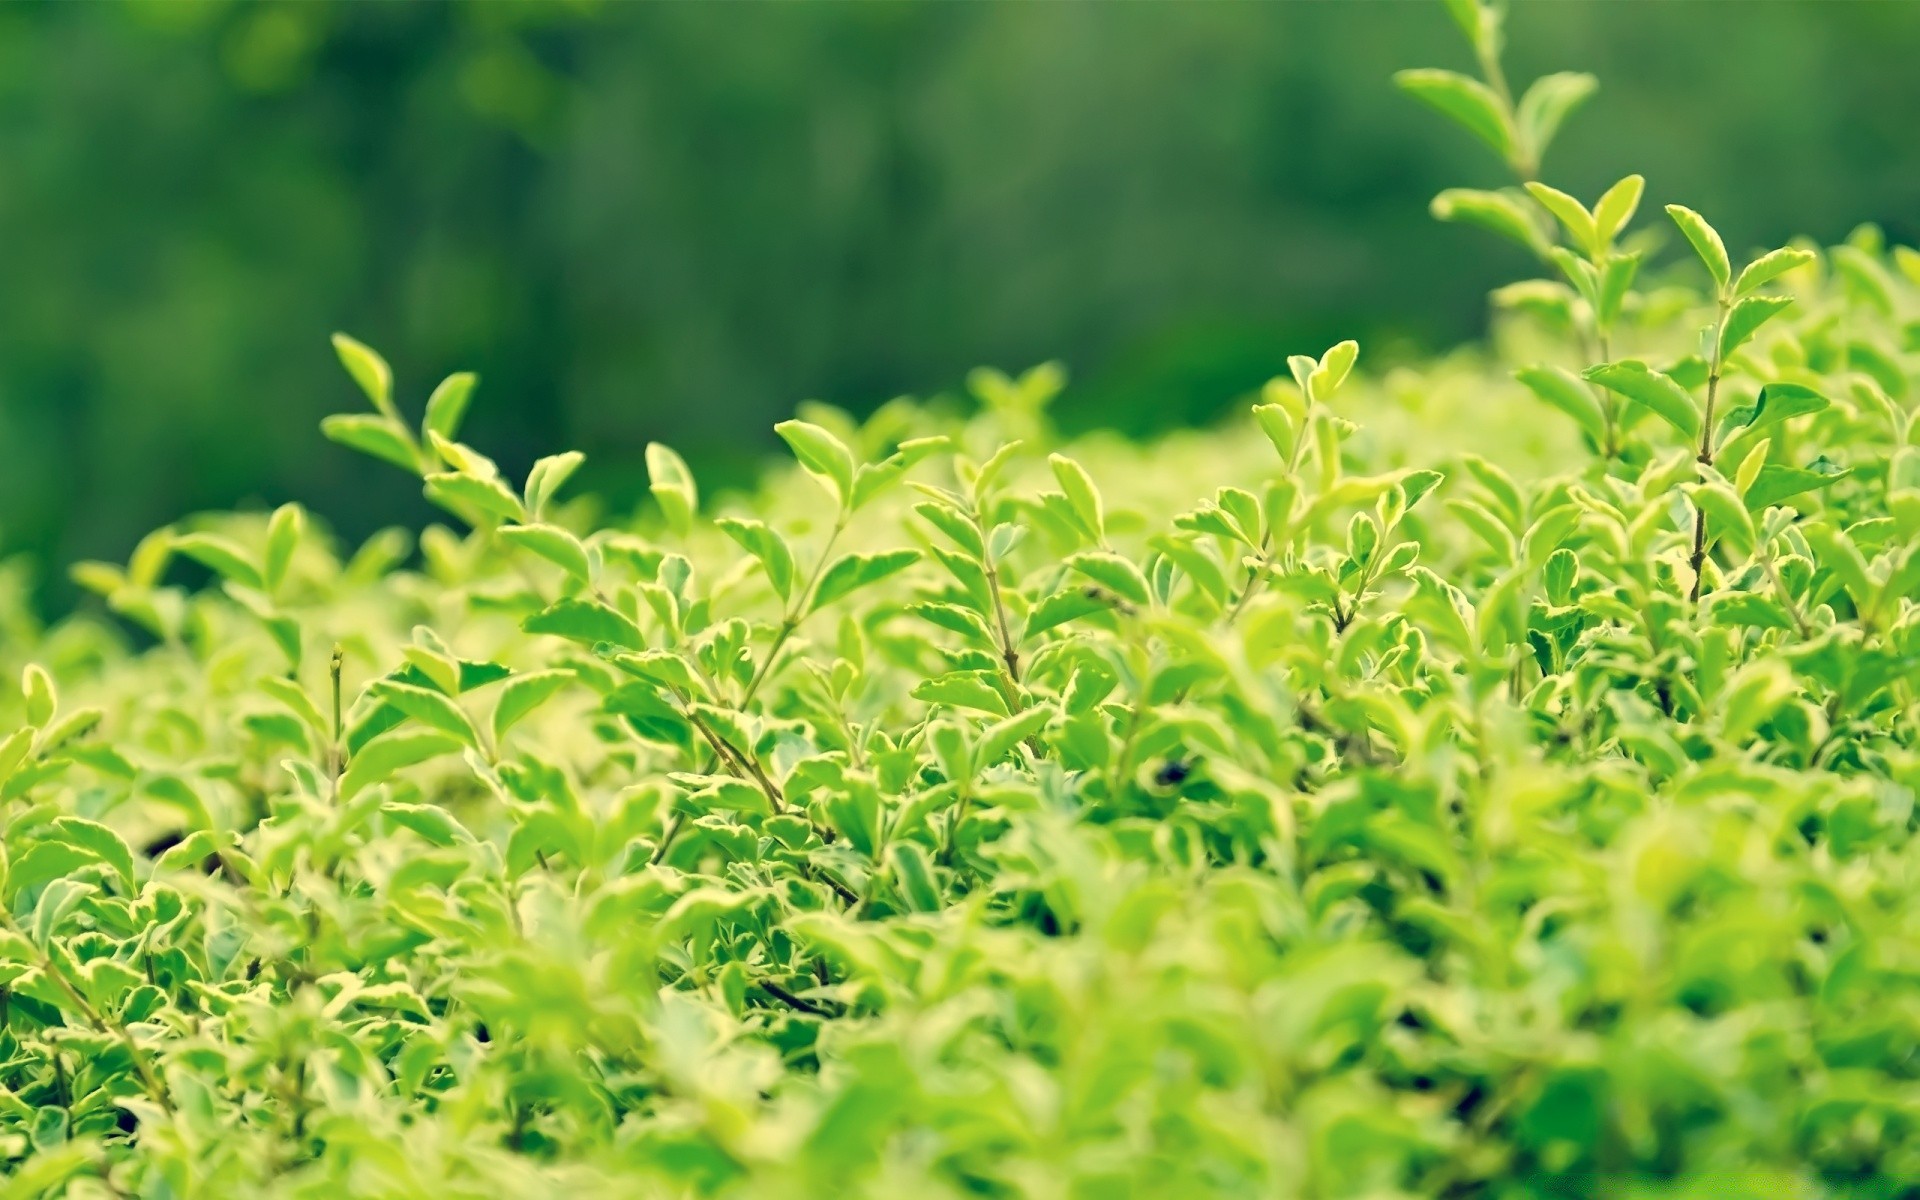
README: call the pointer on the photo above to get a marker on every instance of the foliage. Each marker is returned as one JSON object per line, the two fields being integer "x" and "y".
{"x": 1491, "y": 787}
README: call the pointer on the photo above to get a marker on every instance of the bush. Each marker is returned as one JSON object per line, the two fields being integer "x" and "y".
{"x": 1492, "y": 787}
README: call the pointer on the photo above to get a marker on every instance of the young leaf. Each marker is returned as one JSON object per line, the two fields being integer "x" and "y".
{"x": 757, "y": 539}
{"x": 380, "y": 436}
{"x": 283, "y": 537}
{"x": 588, "y": 622}
{"x": 852, "y": 571}
{"x": 525, "y": 693}
{"x": 554, "y": 544}
{"x": 1546, "y": 106}
{"x": 1081, "y": 494}
{"x": 380, "y": 758}
{"x": 448, "y": 405}
{"x": 1468, "y": 101}
{"x": 1770, "y": 266}
{"x": 221, "y": 555}
{"x": 1652, "y": 390}
{"x": 1745, "y": 319}
{"x": 822, "y": 454}
{"x": 1117, "y": 574}
{"x": 548, "y": 476}
{"x": 1616, "y": 207}
{"x": 1706, "y": 243}
{"x": 1505, "y": 213}
{"x": 673, "y": 487}
{"x": 1572, "y": 215}
{"x": 370, "y": 371}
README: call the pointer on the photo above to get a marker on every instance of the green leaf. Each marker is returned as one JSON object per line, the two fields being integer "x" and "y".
{"x": 554, "y": 544}
{"x": 43, "y": 700}
{"x": 98, "y": 842}
{"x": 466, "y": 496}
{"x": 1547, "y": 104}
{"x": 1082, "y": 496}
{"x": 767, "y": 546}
{"x": 588, "y": 622}
{"x": 1770, "y": 266}
{"x": 448, "y": 404}
{"x": 852, "y": 571}
{"x": 1746, "y": 317}
{"x": 430, "y": 821}
{"x": 283, "y": 537}
{"x": 963, "y": 689}
{"x": 1652, "y": 390}
{"x": 913, "y": 876}
{"x": 673, "y": 487}
{"x": 1776, "y": 403}
{"x": 1776, "y": 483}
{"x": 1467, "y": 101}
{"x": 1118, "y": 575}
{"x": 1706, "y": 243}
{"x": 382, "y": 437}
{"x": 370, "y": 371}
{"x": 1572, "y": 215}
{"x": 525, "y": 693}
{"x": 548, "y": 476}
{"x": 221, "y": 555}
{"x": 428, "y": 707}
{"x": 390, "y": 752}
{"x": 1502, "y": 212}
{"x": 1002, "y": 736}
{"x": 822, "y": 454}
{"x": 1560, "y": 388}
{"x": 1616, "y": 207}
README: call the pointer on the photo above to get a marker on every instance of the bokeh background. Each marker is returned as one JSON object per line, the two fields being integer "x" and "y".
{"x": 673, "y": 221}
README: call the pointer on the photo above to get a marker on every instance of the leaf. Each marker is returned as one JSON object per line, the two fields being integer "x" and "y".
{"x": 283, "y": 538}
{"x": 1082, "y": 496}
{"x": 1770, "y": 266}
{"x": 448, "y": 404}
{"x": 673, "y": 487}
{"x": 370, "y": 371}
{"x": 822, "y": 454}
{"x": 1706, "y": 243}
{"x": 548, "y": 476}
{"x": 1776, "y": 483}
{"x": 431, "y": 822}
{"x": 465, "y": 495}
{"x": 390, "y": 752}
{"x": 767, "y": 546}
{"x": 1748, "y": 609}
{"x": 221, "y": 555}
{"x": 1060, "y": 608}
{"x": 554, "y": 544}
{"x": 428, "y": 707}
{"x": 98, "y": 842}
{"x": 1745, "y": 319}
{"x": 1572, "y": 215}
{"x": 382, "y": 437}
{"x": 525, "y": 693}
{"x": 1502, "y": 212}
{"x": 913, "y": 876}
{"x": 1334, "y": 367}
{"x": 1467, "y": 101}
{"x": 43, "y": 699}
{"x": 963, "y": 689}
{"x": 1651, "y": 390}
{"x": 1118, "y": 575}
{"x": 1002, "y": 736}
{"x": 1560, "y": 388}
{"x": 852, "y": 571}
{"x": 1547, "y": 104}
{"x": 1616, "y": 207}
{"x": 588, "y": 622}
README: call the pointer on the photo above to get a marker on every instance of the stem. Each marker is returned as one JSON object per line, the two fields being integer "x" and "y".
{"x": 1699, "y": 557}
{"x": 791, "y": 621}
{"x": 1009, "y": 653}
{"x": 336, "y": 758}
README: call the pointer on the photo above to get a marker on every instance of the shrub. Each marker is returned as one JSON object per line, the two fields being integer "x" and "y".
{"x": 1491, "y": 787}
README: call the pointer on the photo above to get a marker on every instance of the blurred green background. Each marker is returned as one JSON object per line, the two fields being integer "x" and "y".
{"x": 674, "y": 221}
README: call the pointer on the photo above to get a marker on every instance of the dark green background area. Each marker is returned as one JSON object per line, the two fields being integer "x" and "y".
{"x": 674, "y": 221}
